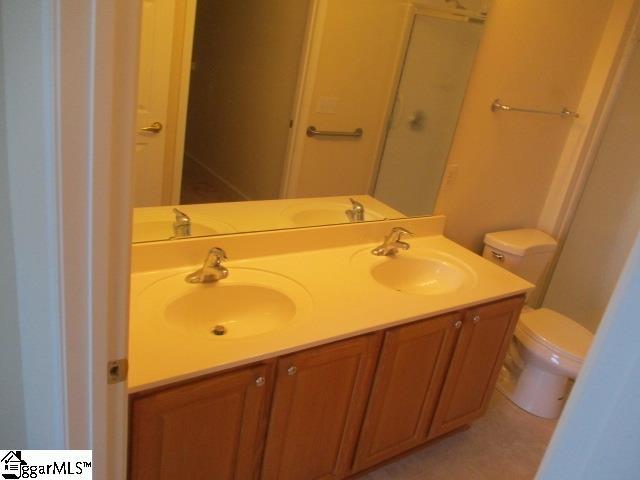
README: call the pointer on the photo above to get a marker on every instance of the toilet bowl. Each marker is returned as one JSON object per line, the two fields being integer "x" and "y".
{"x": 547, "y": 349}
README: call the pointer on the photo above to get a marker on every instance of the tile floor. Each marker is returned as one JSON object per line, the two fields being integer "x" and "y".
{"x": 506, "y": 444}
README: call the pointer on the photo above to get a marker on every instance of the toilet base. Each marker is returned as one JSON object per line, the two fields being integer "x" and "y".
{"x": 535, "y": 390}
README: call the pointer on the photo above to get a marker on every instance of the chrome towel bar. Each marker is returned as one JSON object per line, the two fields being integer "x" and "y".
{"x": 312, "y": 132}
{"x": 496, "y": 106}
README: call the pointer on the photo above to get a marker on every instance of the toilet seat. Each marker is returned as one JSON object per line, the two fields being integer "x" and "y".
{"x": 556, "y": 332}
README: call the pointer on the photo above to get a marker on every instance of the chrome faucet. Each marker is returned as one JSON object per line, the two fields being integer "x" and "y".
{"x": 356, "y": 214}
{"x": 212, "y": 269}
{"x": 182, "y": 224}
{"x": 392, "y": 242}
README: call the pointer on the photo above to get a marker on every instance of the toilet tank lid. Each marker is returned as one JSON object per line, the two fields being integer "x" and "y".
{"x": 522, "y": 241}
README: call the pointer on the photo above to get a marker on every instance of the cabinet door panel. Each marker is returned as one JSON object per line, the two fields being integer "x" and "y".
{"x": 317, "y": 410}
{"x": 476, "y": 364}
{"x": 407, "y": 383}
{"x": 209, "y": 429}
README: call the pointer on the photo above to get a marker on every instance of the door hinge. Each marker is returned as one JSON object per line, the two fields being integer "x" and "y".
{"x": 117, "y": 370}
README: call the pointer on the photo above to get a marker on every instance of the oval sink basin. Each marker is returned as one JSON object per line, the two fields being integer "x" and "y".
{"x": 422, "y": 272}
{"x": 324, "y": 213}
{"x": 221, "y": 310}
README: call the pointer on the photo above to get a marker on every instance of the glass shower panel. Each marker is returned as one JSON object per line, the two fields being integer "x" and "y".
{"x": 429, "y": 97}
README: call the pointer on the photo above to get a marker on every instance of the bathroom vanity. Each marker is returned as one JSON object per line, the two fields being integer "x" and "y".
{"x": 378, "y": 356}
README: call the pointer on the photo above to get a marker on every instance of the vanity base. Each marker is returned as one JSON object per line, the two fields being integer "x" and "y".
{"x": 415, "y": 449}
{"x": 333, "y": 411}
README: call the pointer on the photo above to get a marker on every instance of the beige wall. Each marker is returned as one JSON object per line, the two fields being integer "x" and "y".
{"x": 12, "y": 414}
{"x": 246, "y": 58}
{"x": 356, "y": 65}
{"x": 534, "y": 54}
{"x": 608, "y": 217}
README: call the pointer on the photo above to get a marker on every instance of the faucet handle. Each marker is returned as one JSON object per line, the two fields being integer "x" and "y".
{"x": 398, "y": 232}
{"x": 181, "y": 217}
{"x": 357, "y": 206}
{"x": 219, "y": 253}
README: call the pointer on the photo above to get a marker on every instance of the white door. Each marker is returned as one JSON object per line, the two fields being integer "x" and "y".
{"x": 156, "y": 43}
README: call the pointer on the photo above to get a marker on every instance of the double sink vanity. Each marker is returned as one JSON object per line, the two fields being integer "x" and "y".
{"x": 305, "y": 355}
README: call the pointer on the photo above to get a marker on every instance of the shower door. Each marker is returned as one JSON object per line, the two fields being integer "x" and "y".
{"x": 431, "y": 90}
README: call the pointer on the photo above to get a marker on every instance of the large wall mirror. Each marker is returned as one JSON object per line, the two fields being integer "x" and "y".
{"x": 267, "y": 114}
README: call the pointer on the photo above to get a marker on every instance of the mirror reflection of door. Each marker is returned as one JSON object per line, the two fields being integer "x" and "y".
{"x": 246, "y": 57}
{"x": 243, "y": 77}
{"x": 156, "y": 44}
{"x": 244, "y": 73}
{"x": 434, "y": 78}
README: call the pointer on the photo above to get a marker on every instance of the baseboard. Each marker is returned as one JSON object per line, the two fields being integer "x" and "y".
{"x": 219, "y": 181}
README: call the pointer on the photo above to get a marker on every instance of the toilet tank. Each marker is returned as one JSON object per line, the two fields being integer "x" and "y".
{"x": 527, "y": 252}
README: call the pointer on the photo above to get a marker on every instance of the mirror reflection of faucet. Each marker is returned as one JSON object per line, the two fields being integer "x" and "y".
{"x": 212, "y": 269}
{"x": 356, "y": 214}
{"x": 181, "y": 225}
{"x": 392, "y": 243}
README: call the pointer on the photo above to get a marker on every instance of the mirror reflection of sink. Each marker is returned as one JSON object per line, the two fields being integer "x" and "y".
{"x": 159, "y": 226}
{"x": 220, "y": 310}
{"x": 324, "y": 213}
{"x": 421, "y": 272}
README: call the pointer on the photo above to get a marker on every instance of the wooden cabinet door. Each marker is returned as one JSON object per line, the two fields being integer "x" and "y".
{"x": 208, "y": 429}
{"x": 317, "y": 409}
{"x": 484, "y": 339}
{"x": 411, "y": 369}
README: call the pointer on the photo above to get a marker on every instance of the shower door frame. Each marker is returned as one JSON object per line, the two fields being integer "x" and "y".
{"x": 415, "y": 10}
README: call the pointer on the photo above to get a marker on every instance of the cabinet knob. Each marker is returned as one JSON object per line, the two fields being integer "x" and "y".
{"x": 260, "y": 381}
{"x": 292, "y": 370}
{"x": 458, "y": 324}
{"x": 476, "y": 318}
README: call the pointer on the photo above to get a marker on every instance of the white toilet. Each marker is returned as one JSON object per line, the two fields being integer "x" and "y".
{"x": 548, "y": 348}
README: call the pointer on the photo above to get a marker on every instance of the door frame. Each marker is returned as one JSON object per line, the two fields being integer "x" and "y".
{"x": 413, "y": 11}
{"x": 598, "y": 98}
{"x": 182, "y": 52}
{"x": 70, "y": 72}
{"x": 96, "y": 213}
{"x": 581, "y": 149}
{"x": 302, "y": 98}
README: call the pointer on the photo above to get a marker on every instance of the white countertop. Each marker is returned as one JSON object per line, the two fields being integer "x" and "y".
{"x": 345, "y": 301}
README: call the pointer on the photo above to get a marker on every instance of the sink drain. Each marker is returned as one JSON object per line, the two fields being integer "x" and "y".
{"x": 219, "y": 330}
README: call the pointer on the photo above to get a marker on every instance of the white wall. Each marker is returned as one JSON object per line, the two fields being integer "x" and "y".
{"x": 12, "y": 415}
{"x": 28, "y": 83}
{"x": 599, "y": 433}
{"x": 608, "y": 217}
